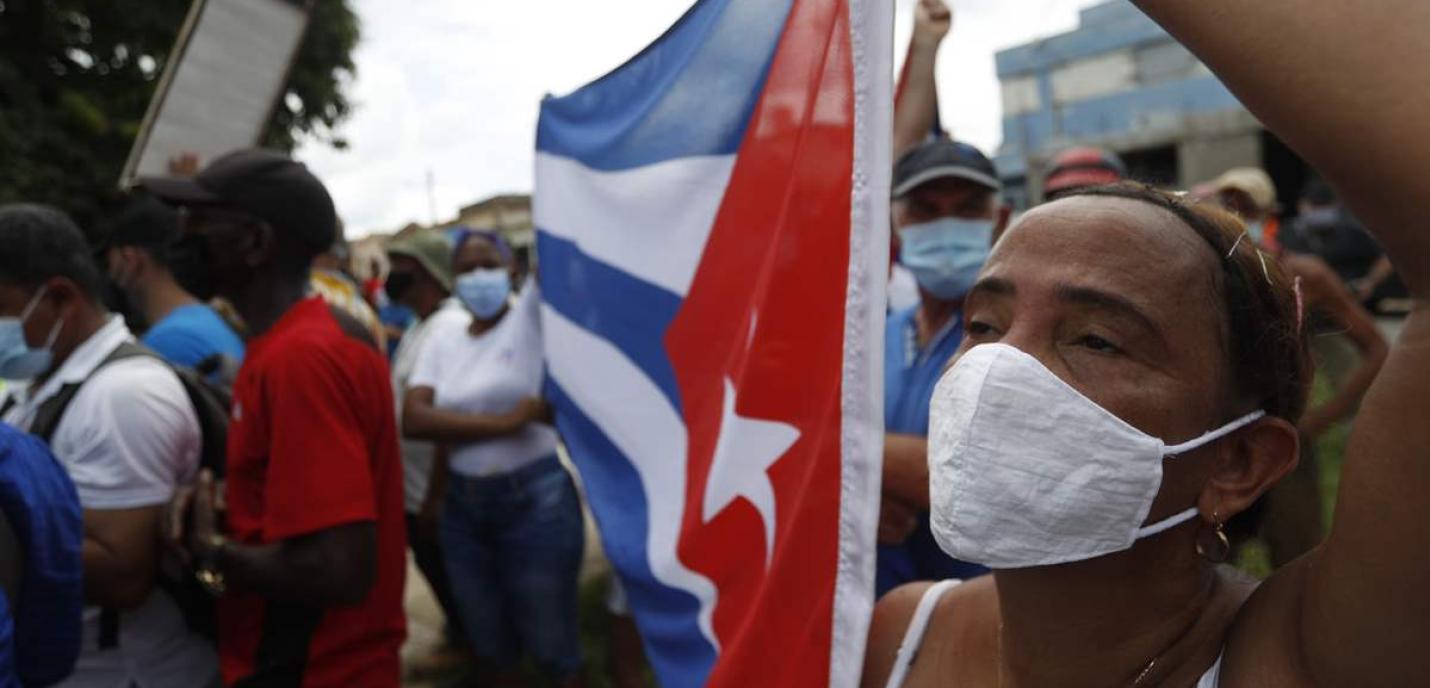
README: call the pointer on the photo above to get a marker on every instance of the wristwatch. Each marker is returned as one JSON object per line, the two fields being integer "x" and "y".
{"x": 208, "y": 574}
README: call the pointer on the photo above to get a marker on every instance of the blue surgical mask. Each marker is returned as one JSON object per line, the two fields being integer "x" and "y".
{"x": 484, "y": 291}
{"x": 946, "y": 254}
{"x": 1257, "y": 231}
{"x": 18, "y": 361}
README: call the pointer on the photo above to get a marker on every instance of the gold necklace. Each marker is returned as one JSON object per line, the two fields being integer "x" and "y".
{"x": 1141, "y": 676}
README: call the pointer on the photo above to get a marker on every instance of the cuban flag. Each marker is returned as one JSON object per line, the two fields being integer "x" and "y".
{"x": 712, "y": 238}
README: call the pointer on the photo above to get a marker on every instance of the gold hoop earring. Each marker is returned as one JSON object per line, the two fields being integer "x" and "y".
{"x": 1221, "y": 546}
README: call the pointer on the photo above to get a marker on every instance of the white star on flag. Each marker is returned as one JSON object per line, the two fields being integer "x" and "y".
{"x": 744, "y": 452}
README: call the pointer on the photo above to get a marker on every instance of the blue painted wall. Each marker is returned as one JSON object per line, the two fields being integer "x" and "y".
{"x": 1106, "y": 28}
{"x": 1116, "y": 114}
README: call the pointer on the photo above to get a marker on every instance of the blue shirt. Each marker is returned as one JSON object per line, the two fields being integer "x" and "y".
{"x": 398, "y": 316}
{"x": 910, "y": 374}
{"x": 40, "y": 632}
{"x": 189, "y": 334}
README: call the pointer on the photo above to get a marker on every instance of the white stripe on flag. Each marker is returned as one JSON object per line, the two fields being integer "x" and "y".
{"x": 871, "y": 27}
{"x": 651, "y": 222}
{"x": 634, "y": 415}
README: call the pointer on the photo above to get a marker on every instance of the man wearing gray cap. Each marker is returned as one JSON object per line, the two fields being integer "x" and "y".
{"x": 946, "y": 213}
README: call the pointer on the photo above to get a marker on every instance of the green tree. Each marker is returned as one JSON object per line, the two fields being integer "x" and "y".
{"x": 76, "y": 77}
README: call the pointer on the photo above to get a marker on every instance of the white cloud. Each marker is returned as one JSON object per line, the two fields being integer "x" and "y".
{"x": 453, "y": 87}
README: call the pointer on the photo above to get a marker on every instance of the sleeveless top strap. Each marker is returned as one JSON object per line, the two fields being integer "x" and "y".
{"x": 914, "y": 637}
{"x": 923, "y": 613}
{"x": 1212, "y": 678}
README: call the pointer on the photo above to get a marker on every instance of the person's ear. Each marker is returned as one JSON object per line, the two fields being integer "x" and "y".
{"x": 61, "y": 299}
{"x": 1253, "y": 461}
{"x": 262, "y": 246}
{"x": 63, "y": 294}
{"x": 1000, "y": 222}
{"x": 133, "y": 263}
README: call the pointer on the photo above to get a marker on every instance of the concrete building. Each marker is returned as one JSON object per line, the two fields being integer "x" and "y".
{"x": 509, "y": 214}
{"x": 1119, "y": 81}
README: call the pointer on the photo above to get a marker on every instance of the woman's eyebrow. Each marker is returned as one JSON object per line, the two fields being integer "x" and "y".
{"x": 1106, "y": 301}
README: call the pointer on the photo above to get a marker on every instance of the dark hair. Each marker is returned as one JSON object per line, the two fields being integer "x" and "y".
{"x": 1265, "y": 342}
{"x": 39, "y": 243}
{"x": 149, "y": 224}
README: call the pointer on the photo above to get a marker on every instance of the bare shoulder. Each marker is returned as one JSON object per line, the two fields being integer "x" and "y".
{"x": 956, "y": 616}
{"x": 891, "y": 620}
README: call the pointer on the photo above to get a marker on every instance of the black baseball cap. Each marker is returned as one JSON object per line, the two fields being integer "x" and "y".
{"x": 263, "y": 183}
{"x": 942, "y": 158}
{"x": 146, "y": 222}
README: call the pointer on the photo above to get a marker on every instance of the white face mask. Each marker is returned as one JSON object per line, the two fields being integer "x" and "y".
{"x": 1026, "y": 471}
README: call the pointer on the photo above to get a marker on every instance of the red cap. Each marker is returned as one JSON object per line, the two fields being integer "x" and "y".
{"x": 1075, "y": 168}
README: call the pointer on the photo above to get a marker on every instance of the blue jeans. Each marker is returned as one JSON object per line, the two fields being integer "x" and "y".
{"x": 513, "y": 545}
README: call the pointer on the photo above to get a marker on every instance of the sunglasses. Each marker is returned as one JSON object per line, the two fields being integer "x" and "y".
{"x": 203, "y": 220}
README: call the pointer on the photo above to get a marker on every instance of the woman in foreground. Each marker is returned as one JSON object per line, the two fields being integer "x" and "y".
{"x": 1132, "y": 379}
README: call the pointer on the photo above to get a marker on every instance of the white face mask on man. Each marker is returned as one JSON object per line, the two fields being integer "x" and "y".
{"x": 1026, "y": 471}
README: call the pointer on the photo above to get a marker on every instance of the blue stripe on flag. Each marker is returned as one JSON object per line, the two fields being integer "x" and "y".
{"x": 668, "y": 617}
{"x": 629, "y": 312}
{"x": 689, "y": 93}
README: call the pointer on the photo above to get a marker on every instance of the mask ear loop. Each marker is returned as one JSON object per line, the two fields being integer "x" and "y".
{"x": 1223, "y": 431}
{"x": 54, "y": 333}
{"x": 34, "y": 301}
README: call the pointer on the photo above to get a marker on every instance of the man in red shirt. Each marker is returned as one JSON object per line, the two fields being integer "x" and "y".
{"x": 311, "y": 559}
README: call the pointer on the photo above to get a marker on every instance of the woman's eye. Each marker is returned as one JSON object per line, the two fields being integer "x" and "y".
{"x": 978, "y": 328}
{"x": 1097, "y": 343}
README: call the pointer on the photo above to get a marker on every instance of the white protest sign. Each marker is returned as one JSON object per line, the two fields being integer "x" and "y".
{"x": 220, "y": 84}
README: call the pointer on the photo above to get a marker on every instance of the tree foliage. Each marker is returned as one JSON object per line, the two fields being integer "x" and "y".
{"x": 76, "y": 77}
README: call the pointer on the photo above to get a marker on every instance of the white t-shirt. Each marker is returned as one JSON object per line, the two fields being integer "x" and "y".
{"x": 127, "y": 439}
{"x": 489, "y": 375}
{"x": 417, "y": 454}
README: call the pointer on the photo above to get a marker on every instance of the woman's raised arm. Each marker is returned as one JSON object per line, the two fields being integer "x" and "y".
{"x": 1347, "y": 84}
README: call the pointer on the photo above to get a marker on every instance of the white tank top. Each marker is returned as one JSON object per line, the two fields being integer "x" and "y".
{"x": 914, "y": 637}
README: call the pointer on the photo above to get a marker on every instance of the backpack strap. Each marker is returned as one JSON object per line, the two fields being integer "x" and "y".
{"x": 47, "y": 421}
{"x": 52, "y": 411}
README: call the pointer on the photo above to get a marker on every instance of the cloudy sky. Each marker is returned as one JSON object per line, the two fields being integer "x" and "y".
{"x": 451, "y": 88}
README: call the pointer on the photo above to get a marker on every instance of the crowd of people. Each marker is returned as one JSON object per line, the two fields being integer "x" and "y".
{"x": 1100, "y": 402}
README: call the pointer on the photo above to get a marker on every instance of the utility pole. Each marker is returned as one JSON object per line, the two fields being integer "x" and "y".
{"x": 431, "y": 199}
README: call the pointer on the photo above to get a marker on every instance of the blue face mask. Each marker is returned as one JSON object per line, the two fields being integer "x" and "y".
{"x": 946, "y": 254}
{"x": 484, "y": 291}
{"x": 17, "y": 360}
{"x": 1257, "y": 231}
